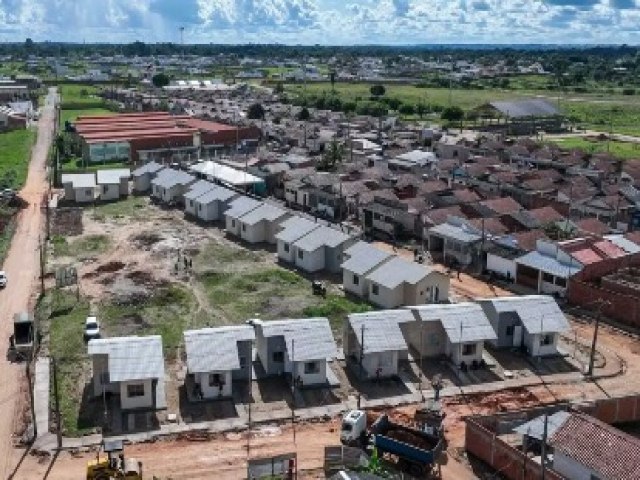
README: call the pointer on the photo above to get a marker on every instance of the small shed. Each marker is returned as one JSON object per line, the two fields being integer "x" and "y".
{"x": 321, "y": 249}
{"x": 291, "y": 230}
{"x": 361, "y": 259}
{"x": 142, "y": 176}
{"x": 211, "y": 206}
{"x": 261, "y": 224}
{"x": 238, "y": 208}
{"x": 79, "y": 187}
{"x": 196, "y": 190}
{"x": 113, "y": 184}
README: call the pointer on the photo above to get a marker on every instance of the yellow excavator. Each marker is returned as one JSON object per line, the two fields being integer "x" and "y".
{"x": 114, "y": 466}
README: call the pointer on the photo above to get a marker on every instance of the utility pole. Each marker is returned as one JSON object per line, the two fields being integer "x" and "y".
{"x": 543, "y": 459}
{"x": 31, "y": 399}
{"x": 250, "y": 395}
{"x": 420, "y": 367}
{"x": 42, "y": 261}
{"x": 601, "y": 303}
{"x": 56, "y": 397}
{"x": 293, "y": 390}
{"x": 360, "y": 361}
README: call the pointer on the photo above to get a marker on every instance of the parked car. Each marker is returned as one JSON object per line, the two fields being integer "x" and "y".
{"x": 3, "y": 279}
{"x": 91, "y": 328}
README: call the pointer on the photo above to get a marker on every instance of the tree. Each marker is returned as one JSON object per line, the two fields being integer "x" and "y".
{"x": 407, "y": 109}
{"x": 421, "y": 109}
{"x": 452, "y": 114}
{"x": 377, "y": 90}
{"x": 394, "y": 103}
{"x": 160, "y": 80}
{"x": 256, "y": 112}
{"x": 332, "y": 78}
{"x": 348, "y": 107}
{"x": 279, "y": 88}
{"x": 332, "y": 156}
{"x": 304, "y": 114}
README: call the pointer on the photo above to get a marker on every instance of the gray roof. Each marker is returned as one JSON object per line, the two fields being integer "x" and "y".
{"x": 151, "y": 167}
{"x": 241, "y": 206}
{"x": 382, "y": 331}
{"x": 321, "y": 237}
{"x": 462, "y": 234}
{"x": 306, "y": 339}
{"x": 265, "y": 212}
{"x": 169, "y": 177}
{"x": 396, "y": 271}
{"x": 417, "y": 156}
{"x": 535, "y": 428}
{"x": 216, "y": 194}
{"x": 526, "y": 108}
{"x": 215, "y": 349}
{"x": 538, "y": 313}
{"x": 463, "y": 322}
{"x": 131, "y": 358}
{"x": 624, "y": 243}
{"x": 198, "y": 189}
{"x": 80, "y": 180}
{"x": 363, "y": 258}
{"x": 547, "y": 264}
{"x": 294, "y": 228}
{"x": 113, "y": 176}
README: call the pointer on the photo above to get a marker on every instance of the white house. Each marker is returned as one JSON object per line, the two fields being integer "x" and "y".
{"x": 373, "y": 342}
{"x": 217, "y": 356}
{"x": 261, "y": 224}
{"x": 321, "y": 249}
{"x": 291, "y": 230}
{"x": 361, "y": 259}
{"x": 142, "y": 176}
{"x": 79, "y": 187}
{"x": 211, "y": 206}
{"x": 113, "y": 184}
{"x": 170, "y": 185}
{"x": 399, "y": 282}
{"x": 298, "y": 348}
{"x": 457, "y": 331}
{"x": 196, "y": 190}
{"x": 532, "y": 322}
{"x": 238, "y": 208}
{"x": 131, "y": 368}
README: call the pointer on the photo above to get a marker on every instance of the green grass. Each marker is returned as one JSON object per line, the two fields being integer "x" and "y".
{"x": 129, "y": 208}
{"x": 73, "y": 95}
{"x": 7, "y": 234}
{"x": 336, "y": 309}
{"x": 76, "y": 165}
{"x": 15, "y": 154}
{"x": 72, "y": 115}
{"x": 624, "y": 150}
{"x": 81, "y": 248}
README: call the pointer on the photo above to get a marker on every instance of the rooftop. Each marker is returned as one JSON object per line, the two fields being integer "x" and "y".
{"x": 131, "y": 358}
{"x": 294, "y": 228}
{"x": 112, "y": 176}
{"x": 321, "y": 237}
{"x": 526, "y": 108}
{"x": 198, "y": 189}
{"x": 364, "y": 257}
{"x": 265, "y": 212}
{"x": 241, "y": 206}
{"x": 217, "y": 193}
{"x": 306, "y": 339}
{"x": 547, "y": 264}
{"x": 462, "y": 322}
{"x": 170, "y": 177}
{"x": 397, "y": 271}
{"x": 382, "y": 331}
{"x": 225, "y": 174}
{"x": 151, "y": 167}
{"x": 211, "y": 349}
{"x": 79, "y": 180}
{"x": 538, "y": 313}
{"x": 462, "y": 233}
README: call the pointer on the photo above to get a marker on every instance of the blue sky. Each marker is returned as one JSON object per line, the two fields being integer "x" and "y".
{"x": 333, "y": 22}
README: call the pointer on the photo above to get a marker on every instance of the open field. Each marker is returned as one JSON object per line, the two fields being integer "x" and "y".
{"x": 77, "y": 165}
{"x": 15, "y": 151}
{"x": 625, "y": 150}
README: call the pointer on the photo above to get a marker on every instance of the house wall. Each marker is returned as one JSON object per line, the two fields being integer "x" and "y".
{"x": 124, "y": 186}
{"x": 532, "y": 343}
{"x": 84, "y": 195}
{"x": 209, "y": 391}
{"x": 272, "y": 228}
{"x": 386, "y": 297}
{"x": 571, "y": 469}
{"x": 311, "y": 261}
{"x": 386, "y": 363}
{"x": 347, "y": 282}
{"x": 253, "y": 233}
{"x": 173, "y": 194}
{"x": 245, "y": 354}
{"x": 457, "y": 355}
{"x": 110, "y": 191}
{"x": 432, "y": 289}
{"x": 433, "y": 341}
{"x": 69, "y": 192}
{"x": 334, "y": 257}
{"x": 501, "y": 266}
{"x": 289, "y": 256}
{"x": 131, "y": 403}
{"x": 100, "y": 366}
{"x": 266, "y": 347}
{"x": 232, "y": 226}
{"x": 208, "y": 212}
{"x": 191, "y": 206}
{"x": 463, "y": 253}
{"x": 500, "y": 323}
{"x": 308, "y": 379}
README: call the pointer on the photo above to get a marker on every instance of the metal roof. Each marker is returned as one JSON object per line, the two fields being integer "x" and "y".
{"x": 170, "y": 177}
{"x": 215, "y": 349}
{"x": 80, "y": 180}
{"x": 306, "y": 339}
{"x": 462, "y": 233}
{"x": 295, "y": 228}
{"x": 241, "y": 206}
{"x": 363, "y": 258}
{"x": 547, "y": 264}
{"x": 131, "y": 358}
{"x": 226, "y": 174}
{"x": 538, "y": 313}
{"x": 396, "y": 271}
{"x": 526, "y": 108}
{"x": 382, "y": 331}
{"x": 624, "y": 243}
{"x": 198, "y": 189}
{"x": 265, "y": 212}
{"x": 151, "y": 167}
{"x": 321, "y": 237}
{"x": 462, "y": 322}
{"x": 111, "y": 177}
{"x": 535, "y": 428}
{"x": 216, "y": 194}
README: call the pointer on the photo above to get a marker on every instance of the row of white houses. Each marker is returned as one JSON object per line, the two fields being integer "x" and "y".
{"x": 301, "y": 349}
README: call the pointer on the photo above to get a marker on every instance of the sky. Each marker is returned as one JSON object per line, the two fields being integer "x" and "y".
{"x": 327, "y": 22}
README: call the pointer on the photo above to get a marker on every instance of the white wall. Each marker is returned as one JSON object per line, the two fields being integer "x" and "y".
{"x": 311, "y": 378}
{"x": 209, "y": 391}
{"x": 457, "y": 356}
{"x": 386, "y": 297}
{"x": 532, "y": 342}
{"x": 145, "y": 401}
{"x": 232, "y": 225}
{"x": 349, "y": 286}
{"x": 207, "y": 212}
{"x": 289, "y": 256}
{"x": 501, "y": 266}
{"x": 311, "y": 261}
{"x": 190, "y": 206}
{"x": 253, "y": 233}
{"x": 387, "y": 362}
{"x": 109, "y": 191}
{"x": 84, "y": 195}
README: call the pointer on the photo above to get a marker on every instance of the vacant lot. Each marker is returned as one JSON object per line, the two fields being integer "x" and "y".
{"x": 15, "y": 153}
{"x": 625, "y": 150}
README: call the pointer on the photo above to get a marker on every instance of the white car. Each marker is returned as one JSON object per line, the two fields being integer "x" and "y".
{"x": 3, "y": 279}
{"x": 91, "y": 328}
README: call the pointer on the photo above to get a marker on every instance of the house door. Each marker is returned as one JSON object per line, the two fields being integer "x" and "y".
{"x": 368, "y": 219}
{"x": 517, "y": 336}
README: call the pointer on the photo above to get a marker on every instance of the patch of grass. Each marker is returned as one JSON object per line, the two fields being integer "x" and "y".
{"x": 6, "y": 235}
{"x": 77, "y": 165}
{"x": 336, "y": 308}
{"x": 72, "y": 114}
{"x": 15, "y": 153}
{"x": 624, "y": 150}
{"x": 82, "y": 247}
{"x": 74, "y": 96}
{"x": 129, "y": 208}
{"x": 221, "y": 254}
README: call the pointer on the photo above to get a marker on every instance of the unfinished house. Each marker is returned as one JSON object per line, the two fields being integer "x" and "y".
{"x": 196, "y": 190}
{"x": 399, "y": 282}
{"x": 457, "y": 241}
{"x": 532, "y": 322}
{"x": 390, "y": 218}
{"x": 299, "y": 349}
{"x": 457, "y": 331}
{"x": 211, "y": 206}
{"x": 373, "y": 342}
{"x": 261, "y": 224}
{"x": 292, "y": 230}
{"x": 238, "y": 208}
{"x": 170, "y": 185}
{"x": 79, "y": 187}
{"x": 131, "y": 368}
{"x": 142, "y": 176}
{"x": 216, "y": 357}
{"x": 321, "y": 249}
{"x": 361, "y": 259}
{"x": 113, "y": 184}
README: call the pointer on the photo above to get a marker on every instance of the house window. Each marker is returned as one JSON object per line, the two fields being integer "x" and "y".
{"x": 191, "y": 203}
{"x": 311, "y": 367}
{"x": 469, "y": 349}
{"x": 278, "y": 357}
{"x": 105, "y": 189}
{"x": 546, "y": 277}
{"x": 233, "y": 224}
{"x": 300, "y": 254}
{"x": 561, "y": 282}
{"x": 356, "y": 280}
{"x": 135, "y": 390}
{"x": 88, "y": 192}
{"x": 375, "y": 290}
{"x": 199, "y": 208}
{"x": 546, "y": 339}
{"x": 510, "y": 330}
{"x": 244, "y": 227}
{"x": 243, "y": 361}
{"x": 216, "y": 380}
{"x": 286, "y": 247}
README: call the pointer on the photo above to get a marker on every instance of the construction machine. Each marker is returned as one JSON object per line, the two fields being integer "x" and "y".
{"x": 114, "y": 466}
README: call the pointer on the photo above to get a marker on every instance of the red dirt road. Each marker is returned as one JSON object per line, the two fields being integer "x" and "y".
{"x": 22, "y": 267}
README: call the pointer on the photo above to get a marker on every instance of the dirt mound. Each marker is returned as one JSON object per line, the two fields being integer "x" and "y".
{"x": 66, "y": 221}
{"x": 110, "y": 267}
{"x": 146, "y": 239}
{"x": 140, "y": 277}
{"x": 135, "y": 319}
